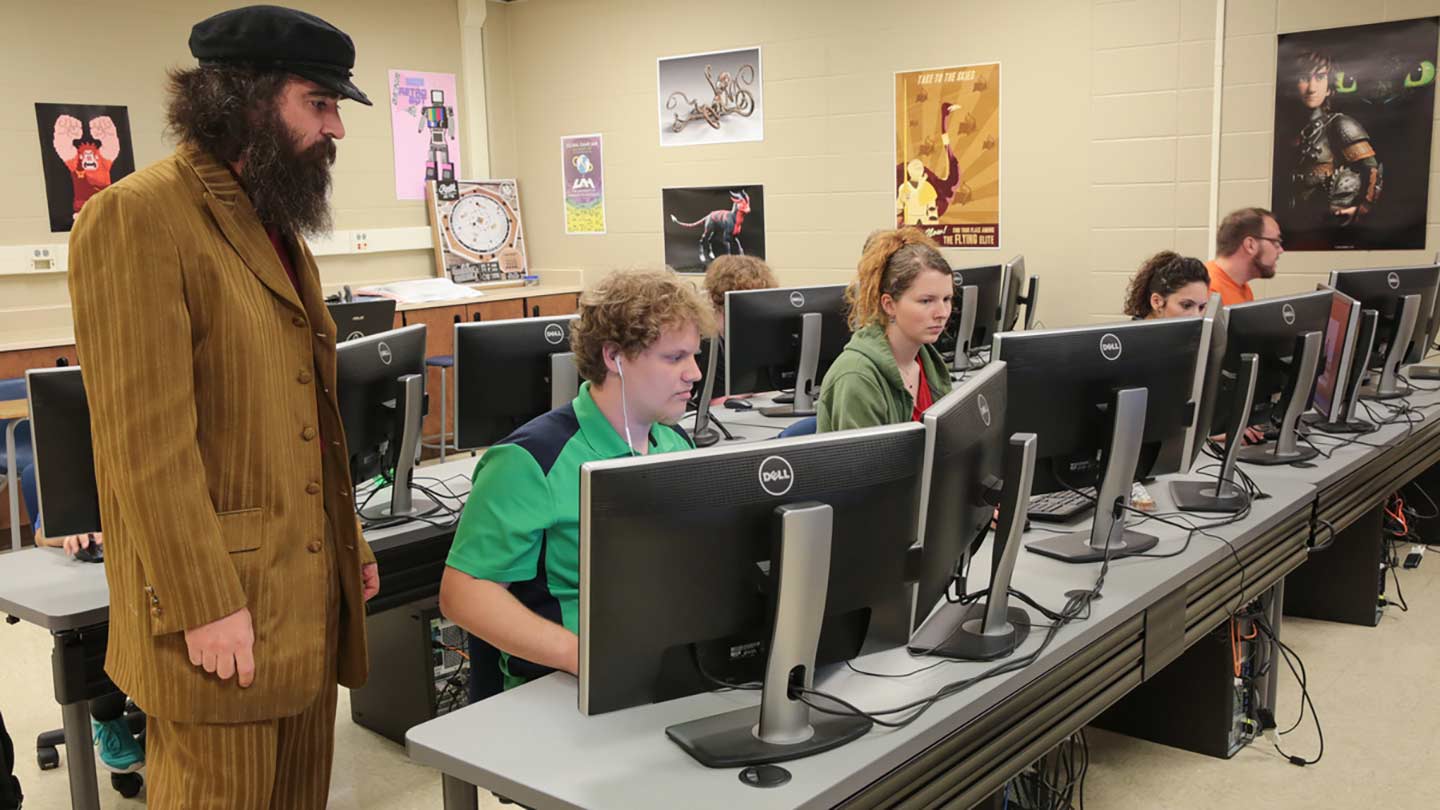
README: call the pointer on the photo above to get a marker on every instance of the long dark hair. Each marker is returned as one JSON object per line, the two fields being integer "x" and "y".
{"x": 1163, "y": 273}
{"x": 215, "y": 106}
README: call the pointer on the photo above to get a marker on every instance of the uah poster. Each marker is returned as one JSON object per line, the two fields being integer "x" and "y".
{"x": 701, "y": 223}
{"x": 584, "y": 177}
{"x": 947, "y": 154}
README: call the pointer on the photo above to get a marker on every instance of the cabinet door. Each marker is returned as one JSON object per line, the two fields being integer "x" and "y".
{"x": 14, "y": 364}
{"x": 547, "y": 306}
{"x": 439, "y": 340}
{"x": 496, "y": 310}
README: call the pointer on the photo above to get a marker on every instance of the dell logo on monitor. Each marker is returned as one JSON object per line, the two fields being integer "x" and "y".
{"x": 797, "y": 299}
{"x": 1393, "y": 280}
{"x": 959, "y": 279}
{"x": 776, "y": 476}
{"x": 357, "y": 334}
{"x": 1288, "y": 313}
{"x": 984, "y": 405}
{"x": 1110, "y": 346}
{"x": 554, "y": 334}
{"x": 385, "y": 356}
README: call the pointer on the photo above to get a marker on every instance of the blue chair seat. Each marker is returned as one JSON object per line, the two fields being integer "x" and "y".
{"x": 441, "y": 361}
{"x": 14, "y": 388}
{"x": 801, "y": 427}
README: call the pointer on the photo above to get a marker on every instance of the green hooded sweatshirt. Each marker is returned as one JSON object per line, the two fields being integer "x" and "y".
{"x": 863, "y": 388}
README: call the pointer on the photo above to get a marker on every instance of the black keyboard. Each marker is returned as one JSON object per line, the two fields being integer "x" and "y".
{"x": 1063, "y": 506}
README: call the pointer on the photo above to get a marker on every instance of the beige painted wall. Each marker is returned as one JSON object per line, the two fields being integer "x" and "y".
{"x": 1106, "y": 125}
{"x": 126, "y": 65}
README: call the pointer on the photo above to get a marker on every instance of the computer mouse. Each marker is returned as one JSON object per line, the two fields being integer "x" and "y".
{"x": 93, "y": 554}
{"x": 738, "y": 404}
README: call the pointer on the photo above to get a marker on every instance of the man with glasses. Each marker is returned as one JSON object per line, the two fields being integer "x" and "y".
{"x": 1247, "y": 246}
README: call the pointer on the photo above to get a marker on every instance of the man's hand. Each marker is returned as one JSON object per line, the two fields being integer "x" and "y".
{"x": 73, "y": 543}
{"x": 225, "y": 646}
{"x": 369, "y": 580}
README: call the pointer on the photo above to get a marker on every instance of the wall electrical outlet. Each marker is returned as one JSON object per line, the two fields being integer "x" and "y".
{"x": 359, "y": 241}
{"x": 41, "y": 260}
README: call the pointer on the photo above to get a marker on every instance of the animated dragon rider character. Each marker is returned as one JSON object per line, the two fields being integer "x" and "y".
{"x": 721, "y": 224}
{"x": 1337, "y": 177}
{"x": 923, "y": 195}
{"x": 437, "y": 118}
{"x": 87, "y": 157}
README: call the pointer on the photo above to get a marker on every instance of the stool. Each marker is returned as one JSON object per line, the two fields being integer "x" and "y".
{"x": 444, "y": 362}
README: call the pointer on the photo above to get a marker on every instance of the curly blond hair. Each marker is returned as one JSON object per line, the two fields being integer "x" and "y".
{"x": 890, "y": 264}
{"x": 630, "y": 308}
{"x": 728, "y": 273}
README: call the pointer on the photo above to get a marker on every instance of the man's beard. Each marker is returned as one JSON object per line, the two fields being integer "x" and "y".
{"x": 289, "y": 188}
{"x": 1265, "y": 271}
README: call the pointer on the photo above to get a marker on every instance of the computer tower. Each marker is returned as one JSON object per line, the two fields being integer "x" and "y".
{"x": 1196, "y": 703}
{"x": 1345, "y": 582}
{"x": 418, "y": 670}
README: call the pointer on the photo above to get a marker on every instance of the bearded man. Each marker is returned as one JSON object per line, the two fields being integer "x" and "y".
{"x": 238, "y": 574}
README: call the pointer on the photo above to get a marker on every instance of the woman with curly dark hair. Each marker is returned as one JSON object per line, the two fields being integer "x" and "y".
{"x": 1168, "y": 285}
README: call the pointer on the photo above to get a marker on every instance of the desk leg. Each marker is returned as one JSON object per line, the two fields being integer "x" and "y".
{"x": 459, "y": 794}
{"x": 80, "y": 756}
{"x": 12, "y": 483}
{"x": 1274, "y": 610}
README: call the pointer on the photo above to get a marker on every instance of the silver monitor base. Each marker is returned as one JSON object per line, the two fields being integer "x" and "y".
{"x": 1266, "y": 455}
{"x": 729, "y": 740}
{"x": 1076, "y": 548}
{"x": 957, "y": 631}
{"x": 1346, "y": 426}
{"x": 1423, "y": 372}
{"x": 1398, "y": 391}
{"x": 783, "y": 411}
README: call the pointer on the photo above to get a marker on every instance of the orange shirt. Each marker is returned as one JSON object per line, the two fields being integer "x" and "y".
{"x": 1230, "y": 292}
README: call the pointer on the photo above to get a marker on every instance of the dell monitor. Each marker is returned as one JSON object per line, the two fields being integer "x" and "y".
{"x": 971, "y": 328}
{"x": 1405, "y": 299}
{"x": 741, "y": 563}
{"x": 1287, "y": 337}
{"x": 781, "y": 339}
{"x": 1110, "y": 405}
{"x": 509, "y": 372}
{"x": 1019, "y": 291}
{"x": 380, "y": 388}
{"x": 969, "y": 471}
{"x": 64, "y": 462}
{"x": 1349, "y": 339}
{"x": 362, "y": 317}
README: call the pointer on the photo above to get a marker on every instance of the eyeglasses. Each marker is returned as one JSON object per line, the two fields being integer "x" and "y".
{"x": 1277, "y": 240}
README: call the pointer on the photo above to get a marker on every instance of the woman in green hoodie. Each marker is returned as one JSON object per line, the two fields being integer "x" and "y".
{"x": 890, "y": 371}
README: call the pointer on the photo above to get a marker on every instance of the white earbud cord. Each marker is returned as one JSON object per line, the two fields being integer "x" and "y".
{"x": 624, "y": 408}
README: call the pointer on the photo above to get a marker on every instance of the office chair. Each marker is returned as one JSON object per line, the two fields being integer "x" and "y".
{"x": 801, "y": 427}
{"x": 14, "y": 388}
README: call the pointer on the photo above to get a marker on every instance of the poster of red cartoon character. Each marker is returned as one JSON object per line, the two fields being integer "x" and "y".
{"x": 84, "y": 148}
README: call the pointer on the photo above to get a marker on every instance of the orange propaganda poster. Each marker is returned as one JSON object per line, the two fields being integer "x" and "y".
{"x": 947, "y": 154}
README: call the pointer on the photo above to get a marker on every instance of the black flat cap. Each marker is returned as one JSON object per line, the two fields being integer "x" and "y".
{"x": 277, "y": 38}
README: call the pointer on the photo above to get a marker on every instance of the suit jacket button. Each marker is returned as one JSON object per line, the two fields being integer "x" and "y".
{"x": 308, "y": 433}
{"x": 314, "y": 547}
{"x": 304, "y": 377}
{"x": 156, "y": 612}
{"x": 312, "y": 488}
{"x": 298, "y": 321}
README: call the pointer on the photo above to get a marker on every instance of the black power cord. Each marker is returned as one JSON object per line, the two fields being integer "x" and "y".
{"x": 1292, "y": 659}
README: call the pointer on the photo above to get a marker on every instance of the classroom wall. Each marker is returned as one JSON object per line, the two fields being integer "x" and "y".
{"x": 1106, "y": 121}
{"x": 119, "y": 56}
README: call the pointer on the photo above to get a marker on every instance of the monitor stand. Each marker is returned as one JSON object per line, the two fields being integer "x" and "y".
{"x": 969, "y": 299}
{"x": 410, "y": 412}
{"x": 1389, "y": 385}
{"x": 1222, "y": 495}
{"x": 704, "y": 434}
{"x": 1286, "y": 448}
{"x": 1350, "y": 421}
{"x": 782, "y": 728}
{"x": 1032, "y": 300}
{"x": 805, "y": 389}
{"x": 564, "y": 379}
{"x": 1108, "y": 537}
{"x": 992, "y": 629}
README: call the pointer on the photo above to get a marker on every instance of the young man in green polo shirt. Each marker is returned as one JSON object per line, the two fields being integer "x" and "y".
{"x": 513, "y": 574}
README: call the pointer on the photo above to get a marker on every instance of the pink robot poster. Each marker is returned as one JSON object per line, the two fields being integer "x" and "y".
{"x": 426, "y": 130}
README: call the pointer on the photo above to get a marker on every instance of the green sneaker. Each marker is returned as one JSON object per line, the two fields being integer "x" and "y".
{"x": 120, "y": 752}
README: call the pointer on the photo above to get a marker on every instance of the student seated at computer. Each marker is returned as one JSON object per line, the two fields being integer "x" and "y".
{"x": 890, "y": 371}
{"x": 512, "y": 578}
{"x": 735, "y": 273}
{"x": 1168, "y": 285}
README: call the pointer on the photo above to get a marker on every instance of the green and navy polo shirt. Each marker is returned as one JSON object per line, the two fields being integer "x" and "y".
{"x": 521, "y": 523}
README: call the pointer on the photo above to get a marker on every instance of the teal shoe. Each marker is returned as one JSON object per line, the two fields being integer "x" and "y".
{"x": 120, "y": 752}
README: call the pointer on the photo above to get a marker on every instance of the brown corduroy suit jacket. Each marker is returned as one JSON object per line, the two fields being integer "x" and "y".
{"x": 219, "y": 452}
